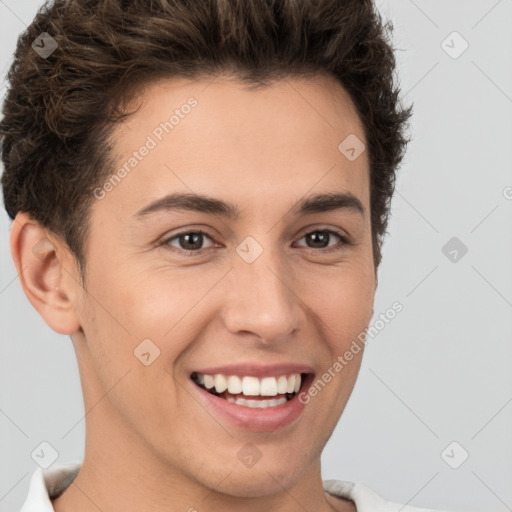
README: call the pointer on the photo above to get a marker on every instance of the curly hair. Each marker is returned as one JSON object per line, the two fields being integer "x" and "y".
{"x": 60, "y": 110}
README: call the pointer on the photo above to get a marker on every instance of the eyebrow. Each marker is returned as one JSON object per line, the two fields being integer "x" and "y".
{"x": 201, "y": 203}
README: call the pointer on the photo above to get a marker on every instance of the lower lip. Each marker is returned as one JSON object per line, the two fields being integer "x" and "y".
{"x": 256, "y": 419}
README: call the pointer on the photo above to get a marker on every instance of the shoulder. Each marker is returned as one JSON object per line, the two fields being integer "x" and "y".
{"x": 367, "y": 500}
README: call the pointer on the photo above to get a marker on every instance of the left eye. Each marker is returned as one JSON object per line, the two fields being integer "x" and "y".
{"x": 192, "y": 241}
{"x": 322, "y": 236}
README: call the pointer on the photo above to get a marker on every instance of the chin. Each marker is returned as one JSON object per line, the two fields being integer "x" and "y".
{"x": 264, "y": 482}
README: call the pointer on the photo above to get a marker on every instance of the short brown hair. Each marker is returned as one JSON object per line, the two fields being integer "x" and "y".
{"x": 59, "y": 110}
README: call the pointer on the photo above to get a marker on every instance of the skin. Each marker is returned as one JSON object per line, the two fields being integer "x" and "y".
{"x": 263, "y": 150}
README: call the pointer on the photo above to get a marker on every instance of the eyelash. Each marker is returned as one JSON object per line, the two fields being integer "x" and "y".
{"x": 338, "y": 247}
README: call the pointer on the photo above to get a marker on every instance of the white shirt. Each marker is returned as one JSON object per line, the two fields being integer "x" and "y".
{"x": 51, "y": 482}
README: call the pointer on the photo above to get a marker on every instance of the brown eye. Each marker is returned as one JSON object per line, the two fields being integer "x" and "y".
{"x": 320, "y": 239}
{"x": 189, "y": 241}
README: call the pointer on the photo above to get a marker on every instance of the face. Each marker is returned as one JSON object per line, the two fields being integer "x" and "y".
{"x": 274, "y": 285}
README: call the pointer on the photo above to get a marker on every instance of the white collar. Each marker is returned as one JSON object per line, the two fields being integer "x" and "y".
{"x": 48, "y": 483}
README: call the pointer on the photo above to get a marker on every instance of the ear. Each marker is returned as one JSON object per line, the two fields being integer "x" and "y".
{"x": 47, "y": 272}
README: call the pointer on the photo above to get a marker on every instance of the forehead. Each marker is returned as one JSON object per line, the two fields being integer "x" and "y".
{"x": 238, "y": 141}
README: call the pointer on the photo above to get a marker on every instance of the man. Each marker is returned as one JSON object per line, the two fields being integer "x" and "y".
{"x": 199, "y": 194}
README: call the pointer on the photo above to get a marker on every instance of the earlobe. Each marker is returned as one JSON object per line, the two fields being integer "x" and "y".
{"x": 41, "y": 263}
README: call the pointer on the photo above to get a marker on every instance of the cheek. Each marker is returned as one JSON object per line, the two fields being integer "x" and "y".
{"x": 126, "y": 319}
{"x": 121, "y": 309}
{"x": 143, "y": 301}
{"x": 167, "y": 306}
{"x": 343, "y": 300}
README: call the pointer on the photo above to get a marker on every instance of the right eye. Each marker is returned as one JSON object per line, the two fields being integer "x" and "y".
{"x": 190, "y": 241}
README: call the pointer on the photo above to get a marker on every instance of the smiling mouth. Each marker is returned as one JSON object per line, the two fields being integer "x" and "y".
{"x": 251, "y": 391}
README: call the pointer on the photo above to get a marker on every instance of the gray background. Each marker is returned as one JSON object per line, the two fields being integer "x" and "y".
{"x": 441, "y": 370}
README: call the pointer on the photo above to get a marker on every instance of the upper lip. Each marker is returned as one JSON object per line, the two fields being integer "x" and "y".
{"x": 257, "y": 370}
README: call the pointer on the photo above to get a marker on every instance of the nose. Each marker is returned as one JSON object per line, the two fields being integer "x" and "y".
{"x": 261, "y": 300}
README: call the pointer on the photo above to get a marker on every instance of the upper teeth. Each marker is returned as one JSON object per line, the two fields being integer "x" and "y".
{"x": 251, "y": 386}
